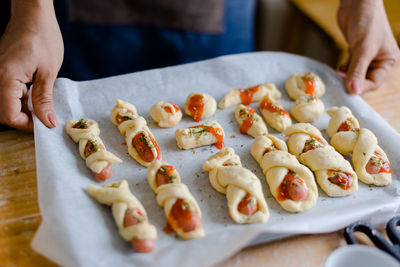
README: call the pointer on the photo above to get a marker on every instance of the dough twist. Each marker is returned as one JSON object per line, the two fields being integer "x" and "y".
{"x": 306, "y": 89}
{"x": 129, "y": 214}
{"x": 334, "y": 174}
{"x": 91, "y": 148}
{"x": 274, "y": 114}
{"x": 243, "y": 190}
{"x": 370, "y": 161}
{"x": 208, "y": 133}
{"x": 141, "y": 143}
{"x": 248, "y": 94}
{"x": 250, "y": 122}
{"x": 291, "y": 183}
{"x": 180, "y": 207}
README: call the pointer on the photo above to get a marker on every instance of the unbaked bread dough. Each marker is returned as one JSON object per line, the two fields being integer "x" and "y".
{"x": 249, "y": 121}
{"x": 209, "y": 133}
{"x": 296, "y": 85}
{"x": 200, "y": 106}
{"x": 88, "y": 138}
{"x": 347, "y": 137}
{"x": 166, "y": 114}
{"x": 119, "y": 197}
{"x": 282, "y": 170}
{"x": 135, "y": 128}
{"x": 305, "y": 89}
{"x": 274, "y": 114}
{"x": 169, "y": 193}
{"x": 307, "y": 108}
{"x": 248, "y": 94}
{"x": 228, "y": 177}
{"x": 334, "y": 174}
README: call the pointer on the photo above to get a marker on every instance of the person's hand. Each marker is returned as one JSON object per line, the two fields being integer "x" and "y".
{"x": 373, "y": 51}
{"x": 31, "y": 50}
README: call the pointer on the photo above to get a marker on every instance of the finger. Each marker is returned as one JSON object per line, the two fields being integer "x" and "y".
{"x": 42, "y": 99}
{"x": 11, "y": 92}
{"x": 378, "y": 72}
{"x": 341, "y": 74}
{"x": 358, "y": 67}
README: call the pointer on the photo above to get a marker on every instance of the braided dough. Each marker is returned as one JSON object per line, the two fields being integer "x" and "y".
{"x": 168, "y": 194}
{"x": 209, "y": 133}
{"x": 137, "y": 134}
{"x": 248, "y": 94}
{"x": 334, "y": 174}
{"x": 141, "y": 233}
{"x": 166, "y": 114}
{"x": 367, "y": 155}
{"x": 295, "y": 85}
{"x": 250, "y": 122}
{"x": 239, "y": 184}
{"x": 291, "y": 183}
{"x": 122, "y": 113}
{"x": 307, "y": 108}
{"x": 306, "y": 88}
{"x": 200, "y": 106}
{"x": 274, "y": 114}
{"x": 91, "y": 147}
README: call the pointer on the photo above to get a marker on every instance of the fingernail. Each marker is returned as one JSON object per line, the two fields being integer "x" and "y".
{"x": 355, "y": 87}
{"x": 53, "y": 119}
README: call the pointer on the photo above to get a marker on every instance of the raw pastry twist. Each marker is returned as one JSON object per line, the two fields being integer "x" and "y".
{"x": 370, "y": 161}
{"x": 248, "y": 94}
{"x": 291, "y": 183}
{"x": 274, "y": 114}
{"x": 334, "y": 174}
{"x": 180, "y": 207}
{"x": 243, "y": 190}
{"x": 250, "y": 122}
{"x": 208, "y": 133}
{"x": 91, "y": 148}
{"x": 129, "y": 214}
{"x": 166, "y": 114}
{"x": 141, "y": 143}
{"x": 305, "y": 89}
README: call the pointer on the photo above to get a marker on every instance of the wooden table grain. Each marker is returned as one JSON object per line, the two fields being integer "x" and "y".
{"x": 20, "y": 214}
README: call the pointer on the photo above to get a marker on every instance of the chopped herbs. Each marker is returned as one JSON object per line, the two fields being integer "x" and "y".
{"x": 81, "y": 124}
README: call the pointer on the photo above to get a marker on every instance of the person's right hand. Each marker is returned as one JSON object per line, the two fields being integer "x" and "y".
{"x": 31, "y": 50}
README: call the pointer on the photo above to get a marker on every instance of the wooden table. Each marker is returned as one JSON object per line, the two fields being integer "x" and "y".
{"x": 20, "y": 214}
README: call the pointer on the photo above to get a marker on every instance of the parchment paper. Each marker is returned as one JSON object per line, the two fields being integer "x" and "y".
{"x": 78, "y": 231}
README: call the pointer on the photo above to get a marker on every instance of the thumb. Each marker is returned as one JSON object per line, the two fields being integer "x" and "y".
{"x": 356, "y": 73}
{"x": 42, "y": 99}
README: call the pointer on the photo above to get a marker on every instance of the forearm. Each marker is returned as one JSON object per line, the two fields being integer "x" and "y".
{"x": 33, "y": 12}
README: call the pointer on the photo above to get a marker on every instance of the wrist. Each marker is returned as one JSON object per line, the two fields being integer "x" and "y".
{"x": 26, "y": 8}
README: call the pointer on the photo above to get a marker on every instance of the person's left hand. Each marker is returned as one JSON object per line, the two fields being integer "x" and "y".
{"x": 373, "y": 51}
